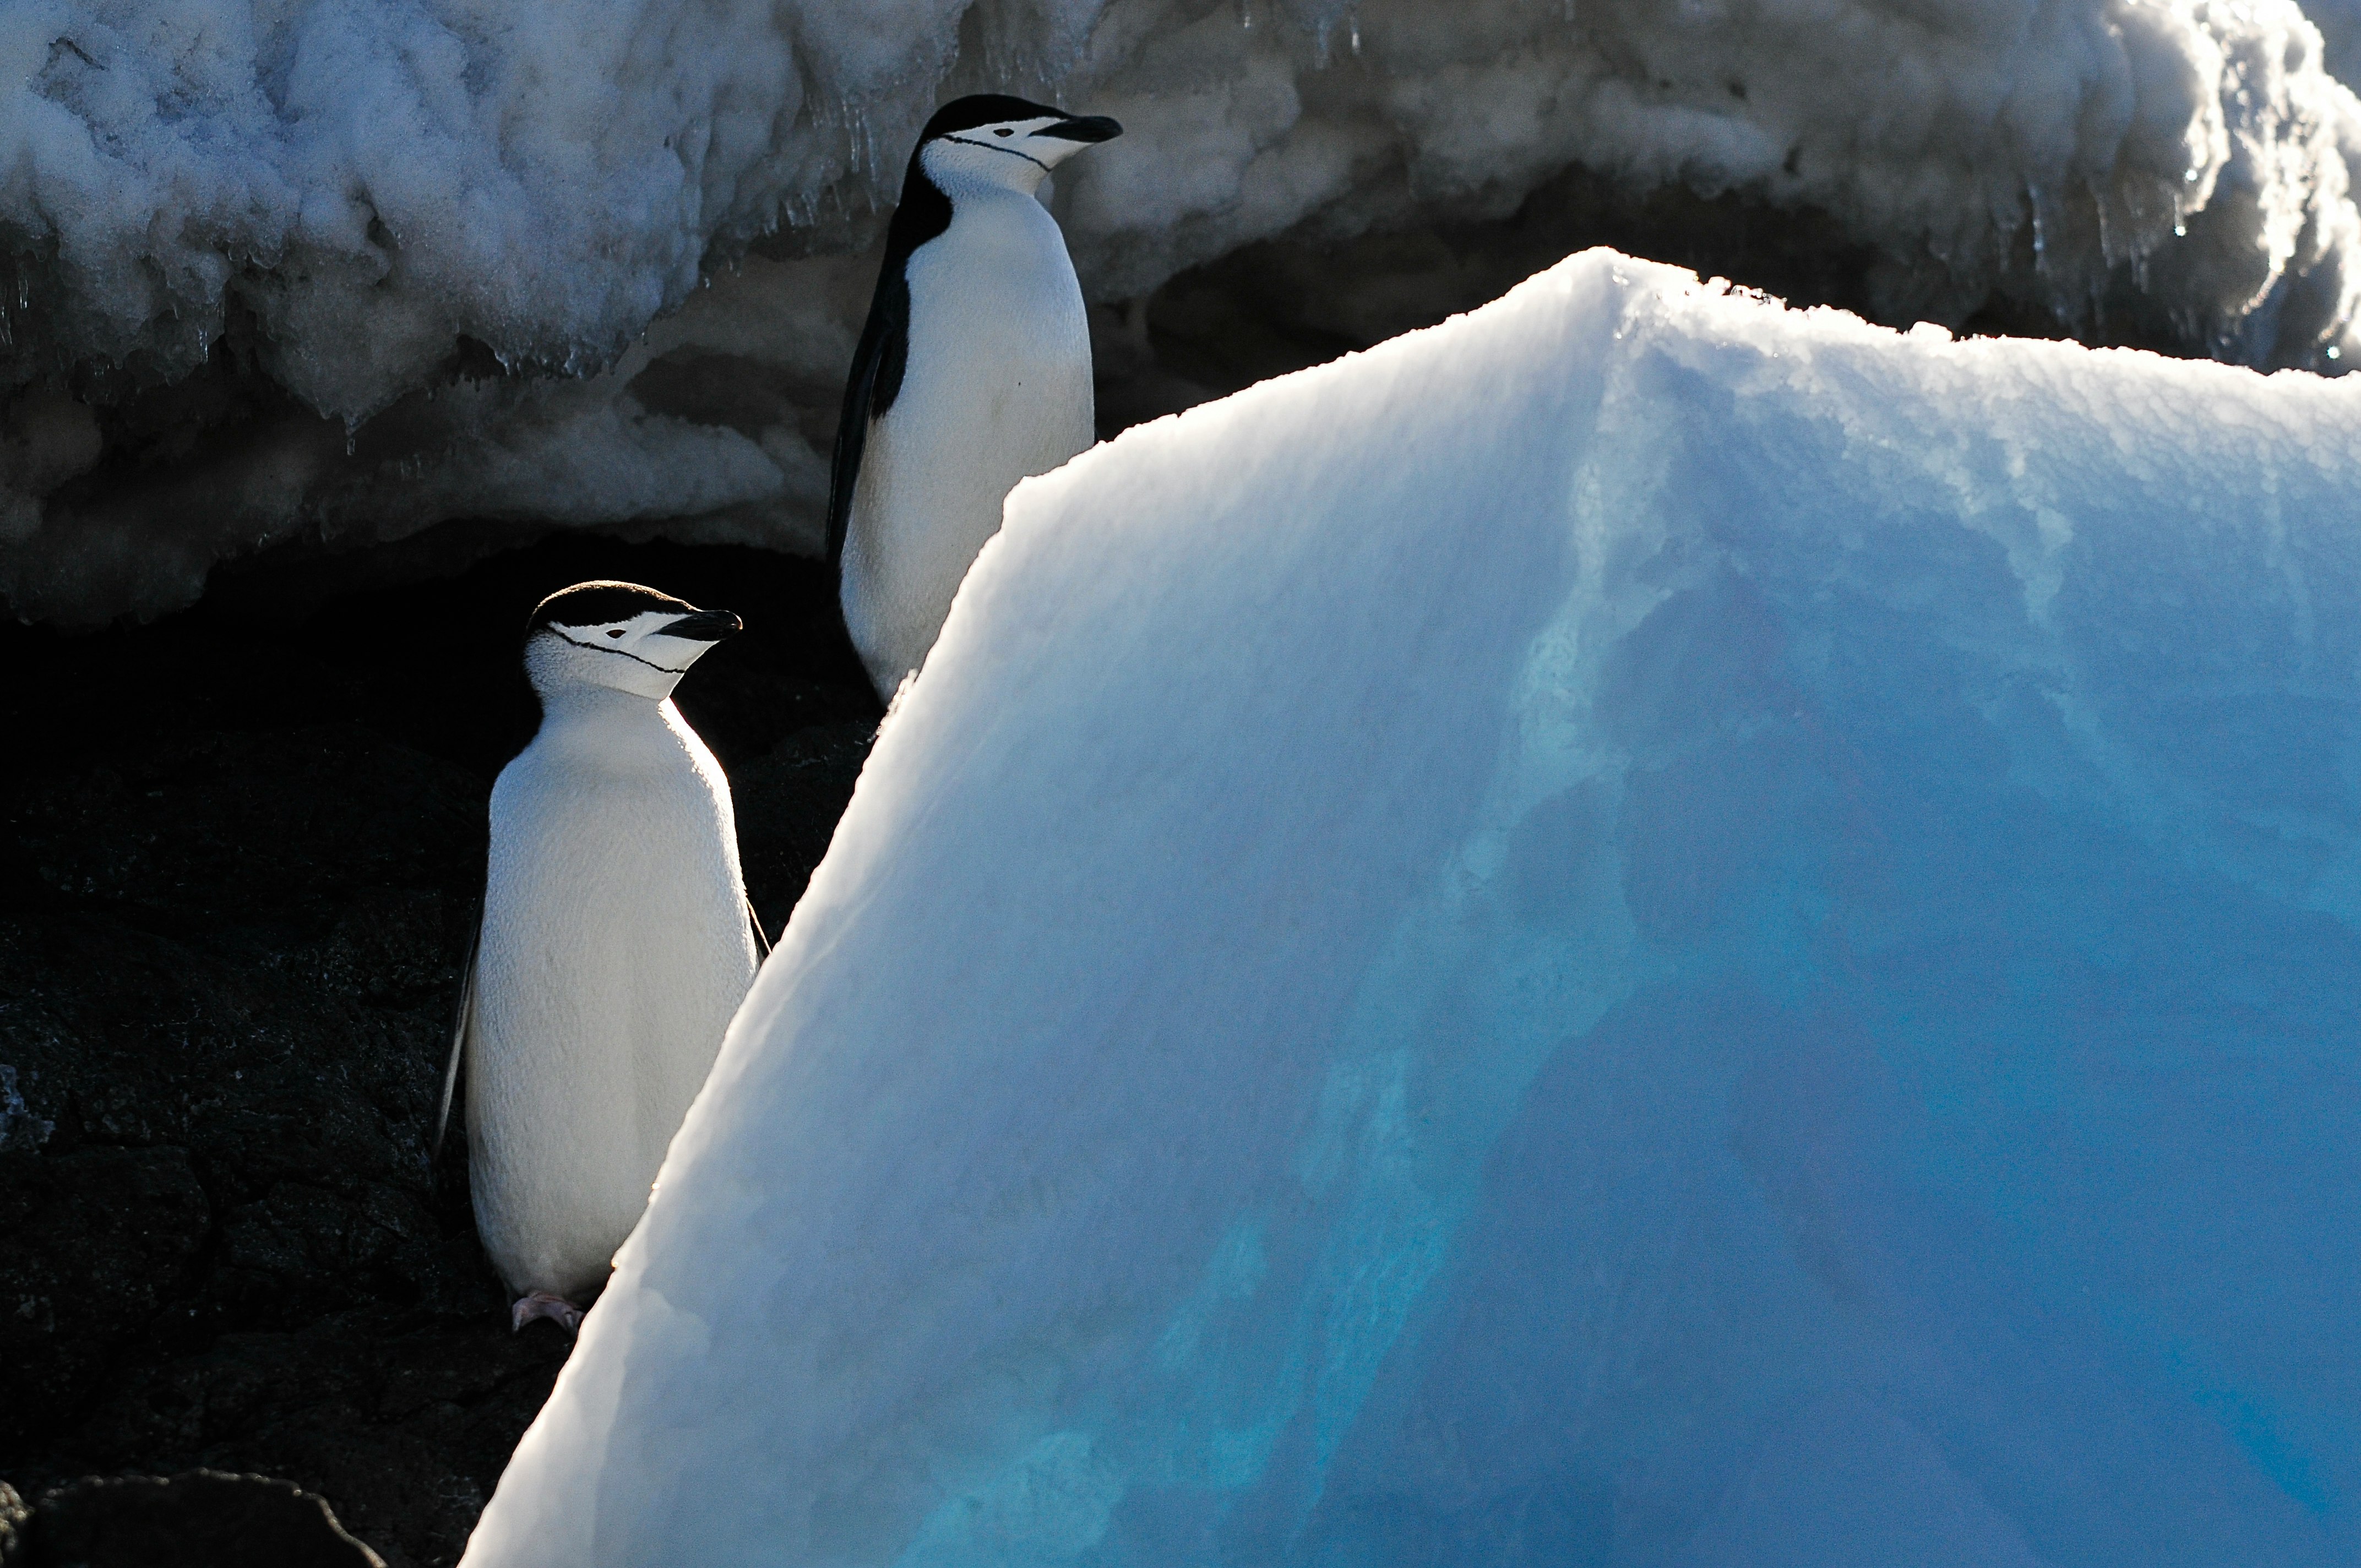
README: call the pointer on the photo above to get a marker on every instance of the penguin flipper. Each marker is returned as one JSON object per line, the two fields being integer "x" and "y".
{"x": 870, "y": 390}
{"x": 460, "y": 1021}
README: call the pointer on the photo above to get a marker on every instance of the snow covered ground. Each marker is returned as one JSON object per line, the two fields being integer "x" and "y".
{"x": 1640, "y": 929}
{"x": 395, "y": 261}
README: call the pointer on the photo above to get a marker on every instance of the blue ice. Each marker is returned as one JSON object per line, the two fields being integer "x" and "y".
{"x": 1640, "y": 930}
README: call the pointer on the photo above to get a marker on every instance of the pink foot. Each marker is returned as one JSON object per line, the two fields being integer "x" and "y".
{"x": 542, "y": 1304}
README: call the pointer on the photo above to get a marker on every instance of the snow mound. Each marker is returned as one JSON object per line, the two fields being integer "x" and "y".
{"x": 375, "y": 181}
{"x": 1640, "y": 929}
{"x": 418, "y": 218}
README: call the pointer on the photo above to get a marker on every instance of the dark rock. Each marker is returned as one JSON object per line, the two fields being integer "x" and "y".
{"x": 102, "y": 1238}
{"x": 787, "y": 804}
{"x": 204, "y": 1519}
{"x": 240, "y": 852}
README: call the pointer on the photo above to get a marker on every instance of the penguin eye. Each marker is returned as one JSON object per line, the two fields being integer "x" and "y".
{"x": 1004, "y": 131}
{"x": 617, "y": 633}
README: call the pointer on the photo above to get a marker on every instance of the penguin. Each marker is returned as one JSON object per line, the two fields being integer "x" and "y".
{"x": 615, "y": 943}
{"x": 972, "y": 372}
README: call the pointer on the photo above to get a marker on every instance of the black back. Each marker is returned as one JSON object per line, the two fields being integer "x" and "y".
{"x": 885, "y": 352}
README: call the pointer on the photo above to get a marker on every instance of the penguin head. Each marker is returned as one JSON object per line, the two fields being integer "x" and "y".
{"x": 995, "y": 140}
{"x": 617, "y": 635}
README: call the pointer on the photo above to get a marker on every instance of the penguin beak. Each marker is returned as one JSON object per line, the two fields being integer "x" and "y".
{"x": 705, "y": 626}
{"x": 1094, "y": 128}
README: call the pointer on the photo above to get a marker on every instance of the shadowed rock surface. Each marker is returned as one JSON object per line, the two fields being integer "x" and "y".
{"x": 242, "y": 852}
{"x": 200, "y": 1520}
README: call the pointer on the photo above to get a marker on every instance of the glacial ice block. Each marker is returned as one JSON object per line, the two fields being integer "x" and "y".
{"x": 1640, "y": 929}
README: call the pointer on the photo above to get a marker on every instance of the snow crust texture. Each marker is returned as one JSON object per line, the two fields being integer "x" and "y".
{"x": 430, "y": 220}
{"x": 1640, "y": 929}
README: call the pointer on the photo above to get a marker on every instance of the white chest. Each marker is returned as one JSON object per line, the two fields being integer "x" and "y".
{"x": 996, "y": 387}
{"x": 614, "y": 950}
{"x": 996, "y": 315}
{"x": 635, "y": 821}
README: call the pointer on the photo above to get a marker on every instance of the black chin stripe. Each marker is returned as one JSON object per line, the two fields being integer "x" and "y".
{"x": 620, "y": 653}
{"x": 971, "y": 141}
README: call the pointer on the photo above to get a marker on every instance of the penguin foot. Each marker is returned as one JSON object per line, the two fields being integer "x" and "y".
{"x": 542, "y": 1304}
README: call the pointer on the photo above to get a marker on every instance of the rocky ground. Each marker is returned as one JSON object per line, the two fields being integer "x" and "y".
{"x": 241, "y": 855}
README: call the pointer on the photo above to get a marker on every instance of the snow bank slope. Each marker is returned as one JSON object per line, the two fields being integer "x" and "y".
{"x": 232, "y": 230}
{"x": 376, "y": 183}
{"x": 1640, "y": 929}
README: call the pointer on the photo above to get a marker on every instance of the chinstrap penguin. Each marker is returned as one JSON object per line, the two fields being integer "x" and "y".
{"x": 614, "y": 946}
{"x": 973, "y": 371}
